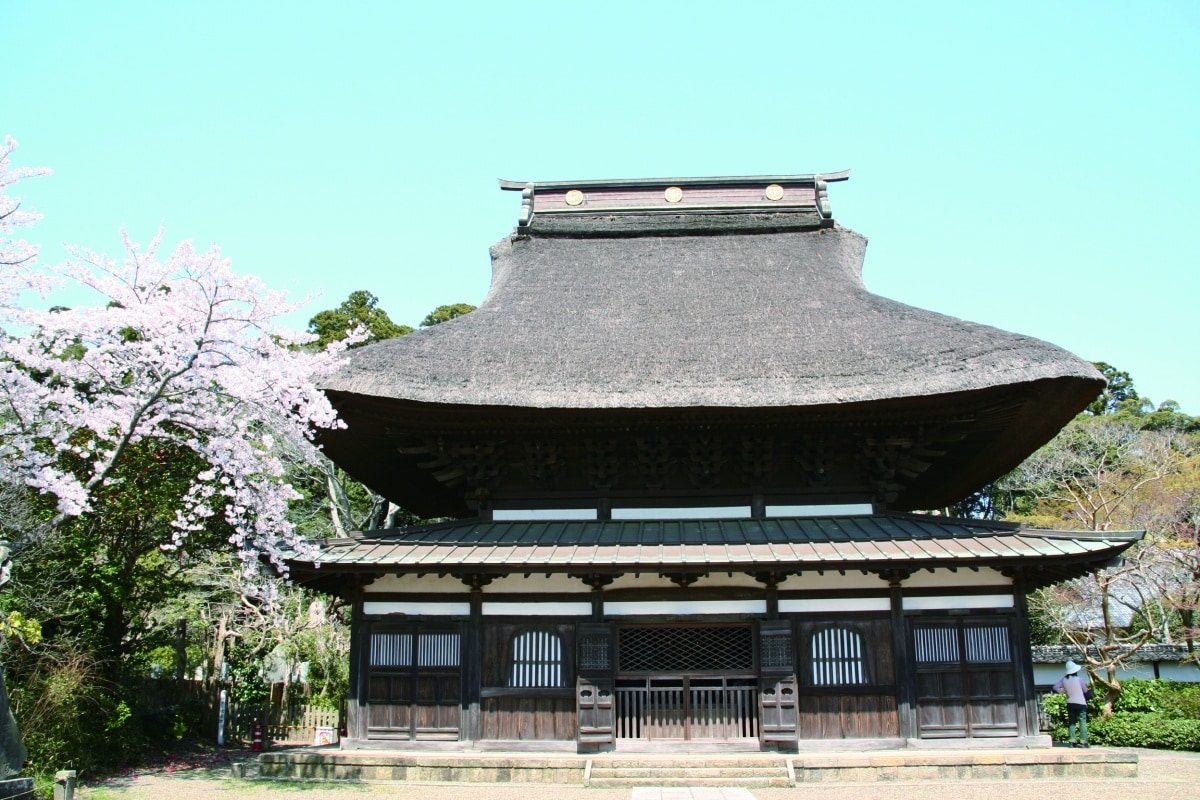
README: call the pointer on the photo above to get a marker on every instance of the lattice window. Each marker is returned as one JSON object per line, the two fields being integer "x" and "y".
{"x": 699, "y": 649}
{"x": 593, "y": 653}
{"x": 837, "y": 658}
{"x": 537, "y": 660}
{"x": 936, "y": 645}
{"x": 775, "y": 651}
{"x": 438, "y": 650}
{"x": 987, "y": 644}
{"x": 391, "y": 649}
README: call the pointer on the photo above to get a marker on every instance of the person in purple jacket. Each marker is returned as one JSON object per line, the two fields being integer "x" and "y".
{"x": 1073, "y": 685}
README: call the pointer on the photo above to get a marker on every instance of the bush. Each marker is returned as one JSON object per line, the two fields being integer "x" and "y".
{"x": 1144, "y": 697}
{"x": 70, "y": 716}
{"x": 1158, "y": 714}
{"x": 1156, "y": 731}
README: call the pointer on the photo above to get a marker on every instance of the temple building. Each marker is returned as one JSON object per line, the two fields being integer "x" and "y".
{"x": 682, "y": 455}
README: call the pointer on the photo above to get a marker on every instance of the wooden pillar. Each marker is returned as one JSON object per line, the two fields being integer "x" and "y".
{"x": 597, "y": 582}
{"x": 357, "y": 691}
{"x": 472, "y": 660}
{"x": 906, "y": 712}
{"x": 1027, "y": 699}
{"x": 770, "y": 582}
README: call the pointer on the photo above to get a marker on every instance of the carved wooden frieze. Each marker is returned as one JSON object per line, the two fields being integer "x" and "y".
{"x": 705, "y": 461}
{"x": 653, "y": 460}
{"x": 543, "y": 461}
{"x": 603, "y": 462}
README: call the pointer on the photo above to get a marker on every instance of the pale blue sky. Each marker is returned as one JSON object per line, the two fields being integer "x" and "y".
{"x": 1027, "y": 165}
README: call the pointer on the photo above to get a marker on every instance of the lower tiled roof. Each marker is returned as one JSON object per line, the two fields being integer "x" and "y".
{"x": 873, "y": 542}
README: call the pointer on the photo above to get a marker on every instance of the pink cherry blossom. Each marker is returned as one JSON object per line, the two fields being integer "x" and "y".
{"x": 176, "y": 348}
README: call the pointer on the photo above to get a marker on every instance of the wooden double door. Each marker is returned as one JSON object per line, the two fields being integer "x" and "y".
{"x": 414, "y": 684}
{"x": 966, "y": 678}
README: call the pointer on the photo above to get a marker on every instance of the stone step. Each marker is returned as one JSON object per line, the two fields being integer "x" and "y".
{"x": 685, "y": 772}
{"x": 744, "y": 782}
{"x": 730, "y": 774}
{"x": 770, "y": 761}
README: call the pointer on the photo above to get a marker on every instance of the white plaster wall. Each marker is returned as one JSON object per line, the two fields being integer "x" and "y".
{"x": 941, "y": 578}
{"x": 1175, "y": 671}
{"x": 372, "y": 607}
{"x": 684, "y": 607}
{"x": 646, "y": 580}
{"x": 811, "y": 581}
{"x": 1048, "y": 674}
{"x": 947, "y": 602}
{"x": 425, "y": 584}
{"x": 536, "y": 609}
{"x": 538, "y": 582}
{"x": 738, "y": 580}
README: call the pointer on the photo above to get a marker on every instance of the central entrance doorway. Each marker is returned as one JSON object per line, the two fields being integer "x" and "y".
{"x": 686, "y": 683}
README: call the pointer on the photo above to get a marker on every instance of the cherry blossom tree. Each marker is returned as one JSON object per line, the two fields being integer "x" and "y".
{"x": 18, "y": 258}
{"x": 178, "y": 351}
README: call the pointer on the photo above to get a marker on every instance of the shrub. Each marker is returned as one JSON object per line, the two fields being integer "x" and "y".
{"x": 1139, "y": 696}
{"x": 58, "y": 697}
{"x": 1146, "y": 730}
{"x": 1157, "y": 714}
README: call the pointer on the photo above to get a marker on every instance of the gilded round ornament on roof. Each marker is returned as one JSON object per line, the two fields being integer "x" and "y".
{"x": 574, "y": 198}
{"x": 774, "y": 192}
{"x": 673, "y": 194}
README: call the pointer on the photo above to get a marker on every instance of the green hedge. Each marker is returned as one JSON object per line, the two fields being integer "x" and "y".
{"x": 1158, "y": 714}
{"x": 1133, "y": 729}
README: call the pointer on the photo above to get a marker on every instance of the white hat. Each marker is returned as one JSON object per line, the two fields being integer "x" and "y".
{"x": 1072, "y": 667}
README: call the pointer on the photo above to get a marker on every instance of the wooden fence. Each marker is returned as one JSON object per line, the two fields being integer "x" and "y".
{"x": 197, "y": 704}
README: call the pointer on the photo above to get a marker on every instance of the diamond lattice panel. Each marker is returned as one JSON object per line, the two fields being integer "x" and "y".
{"x": 706, "y": 649}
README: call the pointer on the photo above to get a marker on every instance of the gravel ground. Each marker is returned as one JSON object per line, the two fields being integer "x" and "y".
{"x": 1163, "y": 776}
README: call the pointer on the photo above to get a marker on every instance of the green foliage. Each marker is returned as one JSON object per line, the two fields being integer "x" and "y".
{"x": 1138, "y": 696}
{"x": 1043, "y": 628}
{"x": 15, "y": 624}
{"x": 1156, "y": 731}
{"x": 361, "y": 308}
{"x": 247, "y": 684}
{"x": 1157, "y": 714}
{"x": 69, "y": 715}
{"x": 103, "y": 575}
{"x": 1170, "y": 698}
{"x": 97, "y": 587}
{"x": 1117, "y": 390}
{"x": 446, "y": 313}
{"x": 1121, "y": 401}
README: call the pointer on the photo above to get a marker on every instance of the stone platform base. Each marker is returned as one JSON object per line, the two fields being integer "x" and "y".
{"x": 744, "y": 769}
{"x": 981, "y": 765}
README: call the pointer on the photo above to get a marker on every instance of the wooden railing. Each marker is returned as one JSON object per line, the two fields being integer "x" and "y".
{"x": 687, "y": 708}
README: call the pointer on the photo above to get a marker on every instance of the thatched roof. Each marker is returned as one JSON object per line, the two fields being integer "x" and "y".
{"x": 625, "y": 306}
{"x": 749, "y": 320}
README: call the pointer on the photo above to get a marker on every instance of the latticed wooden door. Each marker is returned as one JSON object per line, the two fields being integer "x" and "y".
{"x": 777, "y": 690}
{"x": 686, "y": 682}
{"x": 965, "y": 678}
{"x": 414, "y": 683}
